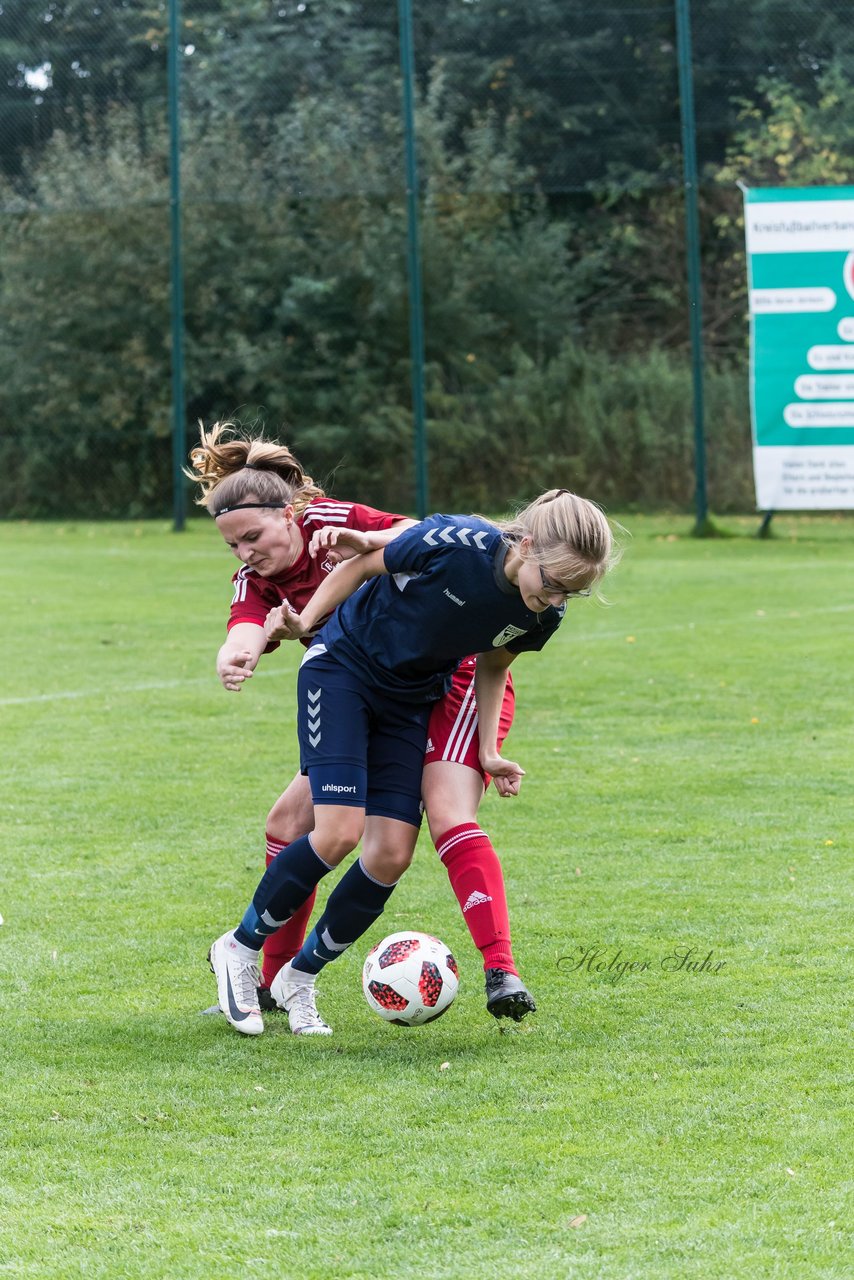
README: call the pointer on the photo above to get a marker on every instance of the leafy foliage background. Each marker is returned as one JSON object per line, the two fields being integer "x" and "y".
{"x": 556, "y": 316}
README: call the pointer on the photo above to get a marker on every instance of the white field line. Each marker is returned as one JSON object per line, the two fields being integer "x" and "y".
{"x": 113, "y": 691}
{"x": 117, "y": 690}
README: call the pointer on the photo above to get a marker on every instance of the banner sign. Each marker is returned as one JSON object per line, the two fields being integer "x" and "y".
{"x": 800, "y": 263}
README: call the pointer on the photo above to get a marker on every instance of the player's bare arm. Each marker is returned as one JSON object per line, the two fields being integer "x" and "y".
{"x": 239, "y": 655}
{"x": 284, "y": 623}
{"x": 342, "y": 544}
{"x": 489, "y": 681}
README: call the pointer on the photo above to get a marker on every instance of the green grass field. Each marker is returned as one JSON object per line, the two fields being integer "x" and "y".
{"x": 689, "y": 785}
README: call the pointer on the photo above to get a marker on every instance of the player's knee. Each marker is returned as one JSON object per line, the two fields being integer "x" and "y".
{"x": 439, "y": 820}
{"x": 279, "y": 823}
{"x": 400, "y": 861}
{"x": 386, "y": 863}
{"x": 290, "y": 817}
{"x": 285, "y": 824}
{"x": 442, "y": 818}
{"x": 333, "y": 842}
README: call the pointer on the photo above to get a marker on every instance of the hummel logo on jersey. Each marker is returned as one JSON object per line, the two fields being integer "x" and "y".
{"x": 451, "y": 596}
{"x": 475, "y": 899}
{"x": 314, "y": 716}
{"x": 450, "y": 535}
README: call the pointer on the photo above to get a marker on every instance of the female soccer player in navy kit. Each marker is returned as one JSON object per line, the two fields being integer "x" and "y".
{"x": 441, "y": 590}
{"x": 289, "y": 535}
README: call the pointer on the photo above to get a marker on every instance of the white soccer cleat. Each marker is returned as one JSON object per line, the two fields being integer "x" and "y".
{"x": 237, "y": 981}
{"x": 294, "y": 992}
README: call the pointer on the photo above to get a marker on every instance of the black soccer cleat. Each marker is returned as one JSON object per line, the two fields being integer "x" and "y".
{"x": 507, "y": 996}
{"x": 266, "y": 1002}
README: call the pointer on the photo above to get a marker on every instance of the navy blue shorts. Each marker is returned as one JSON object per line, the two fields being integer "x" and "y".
{"x": 358, "y": 746}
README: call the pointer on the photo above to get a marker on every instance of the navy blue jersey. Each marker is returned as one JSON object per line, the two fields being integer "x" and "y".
{"x": 446, "y": 597}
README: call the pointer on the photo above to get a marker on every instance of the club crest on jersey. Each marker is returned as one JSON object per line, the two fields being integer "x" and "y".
{"x": 509, "y": 633}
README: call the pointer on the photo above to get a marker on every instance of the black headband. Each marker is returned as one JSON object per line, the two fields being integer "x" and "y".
{"x": 244, "y": 506}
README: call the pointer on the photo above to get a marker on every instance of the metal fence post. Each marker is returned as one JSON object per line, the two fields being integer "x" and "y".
{"x": 179, "y": 426}
{"x": 692, "y": 238}
{"x": 413, "y": 255}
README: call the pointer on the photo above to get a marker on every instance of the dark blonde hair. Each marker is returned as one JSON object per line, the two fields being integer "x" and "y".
{"x": 570, "y": 536}
{"x": 230, "y": 468}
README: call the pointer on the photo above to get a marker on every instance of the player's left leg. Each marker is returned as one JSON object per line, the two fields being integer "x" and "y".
{"x": 354, "y": 904}
{"x": 452, "y": 793}
{"x": 290, "y": 817}
{"x": 360, "y": 896}
{"x": 453, "y": 786}
{"x": 285, "y": 885}
{"x": 332, "y": 725}
{"x": 395, "y": 752}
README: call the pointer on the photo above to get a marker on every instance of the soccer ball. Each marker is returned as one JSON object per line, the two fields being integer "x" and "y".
{"x": 410, "y": 978}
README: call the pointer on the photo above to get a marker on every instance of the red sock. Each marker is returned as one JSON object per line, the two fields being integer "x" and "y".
{"x": 283, "y": 945}
{"x": 478, "y": 881}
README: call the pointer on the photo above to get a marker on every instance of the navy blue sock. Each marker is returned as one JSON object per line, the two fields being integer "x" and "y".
{"x": 286, "y": 884}
{"x": 352, "y": 907}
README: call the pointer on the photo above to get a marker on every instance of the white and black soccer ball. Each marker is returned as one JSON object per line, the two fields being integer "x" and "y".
{"x": 410, "y": 978}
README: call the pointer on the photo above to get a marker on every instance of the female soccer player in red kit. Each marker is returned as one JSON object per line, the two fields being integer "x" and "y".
{"x": 405, "y": 617}
{"x": 289, "y": 536}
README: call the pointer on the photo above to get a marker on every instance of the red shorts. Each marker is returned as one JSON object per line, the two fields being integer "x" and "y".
{"x": 452, "y": 733}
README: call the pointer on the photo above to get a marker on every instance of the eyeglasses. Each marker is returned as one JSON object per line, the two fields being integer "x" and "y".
{"x": 552, "y": 588}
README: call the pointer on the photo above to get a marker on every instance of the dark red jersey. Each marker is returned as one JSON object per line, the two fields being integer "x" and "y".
{"x": 255, "y": 596}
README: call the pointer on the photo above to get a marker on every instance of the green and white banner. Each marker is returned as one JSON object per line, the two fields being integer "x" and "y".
{"x": 800, "y": 263}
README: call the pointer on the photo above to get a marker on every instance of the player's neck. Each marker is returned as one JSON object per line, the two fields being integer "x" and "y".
{"x": 512, "y": 563}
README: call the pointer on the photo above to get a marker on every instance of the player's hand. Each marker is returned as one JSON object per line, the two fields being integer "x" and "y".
{"x": 283, "y": 623}
{"x": 339, "y": 544}
{"x": 234, "y": 669}
{"x": 507, "y": 774}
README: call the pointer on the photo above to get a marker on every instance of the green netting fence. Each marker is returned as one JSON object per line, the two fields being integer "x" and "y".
{"x": 552, "y": 224}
